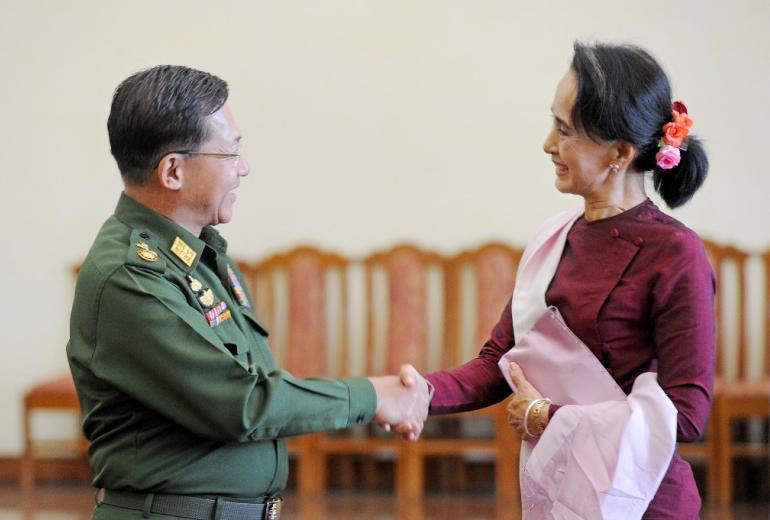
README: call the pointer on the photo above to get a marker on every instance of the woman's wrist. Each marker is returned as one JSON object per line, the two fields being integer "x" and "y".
{"x": 536, "y": 416}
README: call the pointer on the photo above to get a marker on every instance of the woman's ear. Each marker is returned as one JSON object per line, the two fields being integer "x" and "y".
{"x": 624, "y": 154}
{"x": 170, "y": 173}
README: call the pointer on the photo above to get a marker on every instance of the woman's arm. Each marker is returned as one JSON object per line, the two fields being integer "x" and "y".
{"x": 479, "y": 382}
{"x": 683, "y": 331}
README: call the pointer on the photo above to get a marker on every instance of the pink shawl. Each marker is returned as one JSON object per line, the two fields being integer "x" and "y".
{"x": 603, "y": 455}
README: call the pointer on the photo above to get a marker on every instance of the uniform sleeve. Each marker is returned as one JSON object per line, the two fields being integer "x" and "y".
{"x": 683, "y": 331}
{"x": 479, "y": 382}
{"x": 152, "y": 346}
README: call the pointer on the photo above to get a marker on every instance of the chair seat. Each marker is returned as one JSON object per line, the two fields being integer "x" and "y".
{"x": 759, "y": 388}
{"x": 56, "y": 393}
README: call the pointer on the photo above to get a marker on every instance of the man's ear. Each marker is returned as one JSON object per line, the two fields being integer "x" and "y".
{"x": 170, "y": 172}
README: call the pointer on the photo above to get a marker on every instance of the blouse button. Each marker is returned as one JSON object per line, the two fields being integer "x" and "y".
{"x": 615, "y": 233}
{"x": 639, "y": 241}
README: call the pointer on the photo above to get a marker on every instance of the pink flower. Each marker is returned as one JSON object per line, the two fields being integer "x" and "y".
{"x": 668, "y": 157}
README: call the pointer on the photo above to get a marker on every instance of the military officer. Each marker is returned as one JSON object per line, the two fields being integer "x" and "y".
{"x": 182, "y": 403}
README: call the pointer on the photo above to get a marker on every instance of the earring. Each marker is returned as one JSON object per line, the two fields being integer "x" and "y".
{"x": 614, "y": 167}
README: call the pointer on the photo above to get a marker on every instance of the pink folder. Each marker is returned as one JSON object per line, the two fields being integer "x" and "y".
{"x": 559, "y": 365}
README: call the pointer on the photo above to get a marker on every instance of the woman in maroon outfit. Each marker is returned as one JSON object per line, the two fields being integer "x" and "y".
{"x": 632, "y": 283}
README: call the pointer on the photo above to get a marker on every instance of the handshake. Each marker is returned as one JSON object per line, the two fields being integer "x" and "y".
{"x": 402, "y": 402}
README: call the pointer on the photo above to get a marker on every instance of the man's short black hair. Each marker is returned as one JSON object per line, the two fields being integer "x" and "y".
{"x": 159, "y": 110}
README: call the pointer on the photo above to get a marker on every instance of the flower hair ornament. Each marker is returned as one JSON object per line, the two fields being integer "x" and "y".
{"x": 674, "y": 140}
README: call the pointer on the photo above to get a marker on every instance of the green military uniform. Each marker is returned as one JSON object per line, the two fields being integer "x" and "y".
{"x": 178, "y": 388}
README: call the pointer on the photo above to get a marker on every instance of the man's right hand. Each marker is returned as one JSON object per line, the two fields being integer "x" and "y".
{"x": 402, "y": 402}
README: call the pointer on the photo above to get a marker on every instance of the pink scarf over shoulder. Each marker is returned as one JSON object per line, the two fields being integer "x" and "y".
{"x": 604, "y": 454}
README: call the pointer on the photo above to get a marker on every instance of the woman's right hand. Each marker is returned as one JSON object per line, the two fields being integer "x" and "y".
{"x": 525, "y": 393}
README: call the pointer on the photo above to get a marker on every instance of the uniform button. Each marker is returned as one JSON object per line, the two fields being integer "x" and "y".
{"x": 145, "y": 235}
{"x": 605, "y": 347}
{"x": 360, "y": 419}
{"x": 639, "y": 241}
{"x": 615, "y": 233}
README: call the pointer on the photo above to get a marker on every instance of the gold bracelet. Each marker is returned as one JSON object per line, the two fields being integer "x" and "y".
{"x": 536, "y": 418}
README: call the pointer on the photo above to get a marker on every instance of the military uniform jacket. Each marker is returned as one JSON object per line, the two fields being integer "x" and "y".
{"x": 178, "y": 389}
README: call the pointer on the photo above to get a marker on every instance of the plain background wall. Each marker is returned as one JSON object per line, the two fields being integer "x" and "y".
{"x": 365, "y": 122}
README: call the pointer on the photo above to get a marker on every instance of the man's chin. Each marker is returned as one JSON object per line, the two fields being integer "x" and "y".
{"x": 223, "y": 218}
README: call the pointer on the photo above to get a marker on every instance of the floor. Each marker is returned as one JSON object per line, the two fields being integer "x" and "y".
{"x": 74, "y": 502}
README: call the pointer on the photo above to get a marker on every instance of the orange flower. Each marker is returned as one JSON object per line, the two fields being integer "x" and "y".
{"x": 674, "y": 134}
{"x": 682, "y": 119}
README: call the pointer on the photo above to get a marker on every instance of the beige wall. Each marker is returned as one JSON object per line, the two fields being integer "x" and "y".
{"x": 366, "y": 122}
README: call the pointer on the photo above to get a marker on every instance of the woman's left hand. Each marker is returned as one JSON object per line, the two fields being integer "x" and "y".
{"x": 525, "y": 394}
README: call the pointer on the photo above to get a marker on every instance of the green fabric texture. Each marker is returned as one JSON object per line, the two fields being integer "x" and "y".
{"x": 170, "y": 403}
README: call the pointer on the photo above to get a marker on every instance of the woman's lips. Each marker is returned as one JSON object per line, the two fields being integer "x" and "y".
{"x": 560, "y": 169}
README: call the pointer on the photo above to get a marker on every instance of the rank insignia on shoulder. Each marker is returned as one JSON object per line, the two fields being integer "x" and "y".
{"x": 144, "y": 252}
{"x": 185, "y": 253}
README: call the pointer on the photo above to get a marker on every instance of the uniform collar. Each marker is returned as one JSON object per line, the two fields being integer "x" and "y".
{"x": 176, "y": 243}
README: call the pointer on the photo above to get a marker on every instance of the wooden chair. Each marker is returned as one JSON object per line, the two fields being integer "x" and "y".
{"x": 706, "y": 450}
{"x": 399, "y": 327}
{"x": 302, "y": 296}
{"x": 744, "y": 396}
{"x": 478, "y": 283}
{"x": 54, "y": 394}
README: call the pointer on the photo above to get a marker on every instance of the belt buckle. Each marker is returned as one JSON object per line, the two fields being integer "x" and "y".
{"x": 273, "y": 508}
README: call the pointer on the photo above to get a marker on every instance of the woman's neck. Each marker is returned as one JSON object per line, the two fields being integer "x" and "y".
{"x": 626, "y": 195}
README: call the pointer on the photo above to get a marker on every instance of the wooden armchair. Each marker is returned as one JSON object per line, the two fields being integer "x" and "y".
{"x": 706, "y": 450}
{"x": 746, "y": 395}
{"x": 477, "y": 285}
{"x": 402, "y": 321}
{"x": 302, "y": 297}
{"x": 54, "y": 394}
{"x": 59, "y": 394}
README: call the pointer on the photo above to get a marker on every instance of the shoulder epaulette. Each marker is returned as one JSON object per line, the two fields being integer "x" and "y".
{"x": 143, "y": 252}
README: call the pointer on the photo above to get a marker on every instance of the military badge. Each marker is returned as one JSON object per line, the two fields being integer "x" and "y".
{"x": 237, "y": 288}
{"x": 185, "y": 253}
{"x": 204, "y": 295}
{"x": 195, "y": 284}
{"x": 143, "y": 251}
{"x": 206, "y": 298}
{"x": 217, "y": 314}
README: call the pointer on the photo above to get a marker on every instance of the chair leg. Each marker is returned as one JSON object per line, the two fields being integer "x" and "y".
{"x": 27, "y": 467}
{"x": 410, "y": 471}
{"x": 713, "y": 442}
{"x": 725, "y": 466}
{"x": 311, "y": 466}
{"x": 507, "y": 460}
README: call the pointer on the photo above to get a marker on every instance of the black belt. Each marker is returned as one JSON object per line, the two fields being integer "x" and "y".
{"x": 186, "y": 506}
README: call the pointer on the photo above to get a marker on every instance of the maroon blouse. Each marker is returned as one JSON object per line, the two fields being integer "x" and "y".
{"x": 638, "y": 290}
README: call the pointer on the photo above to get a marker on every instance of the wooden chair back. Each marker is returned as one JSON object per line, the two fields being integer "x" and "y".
{"x": 402, "y": 288}
{"x": 302, "y": 297}
{"x": 729, "y": 265}
{"x": 479, "y": 282}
